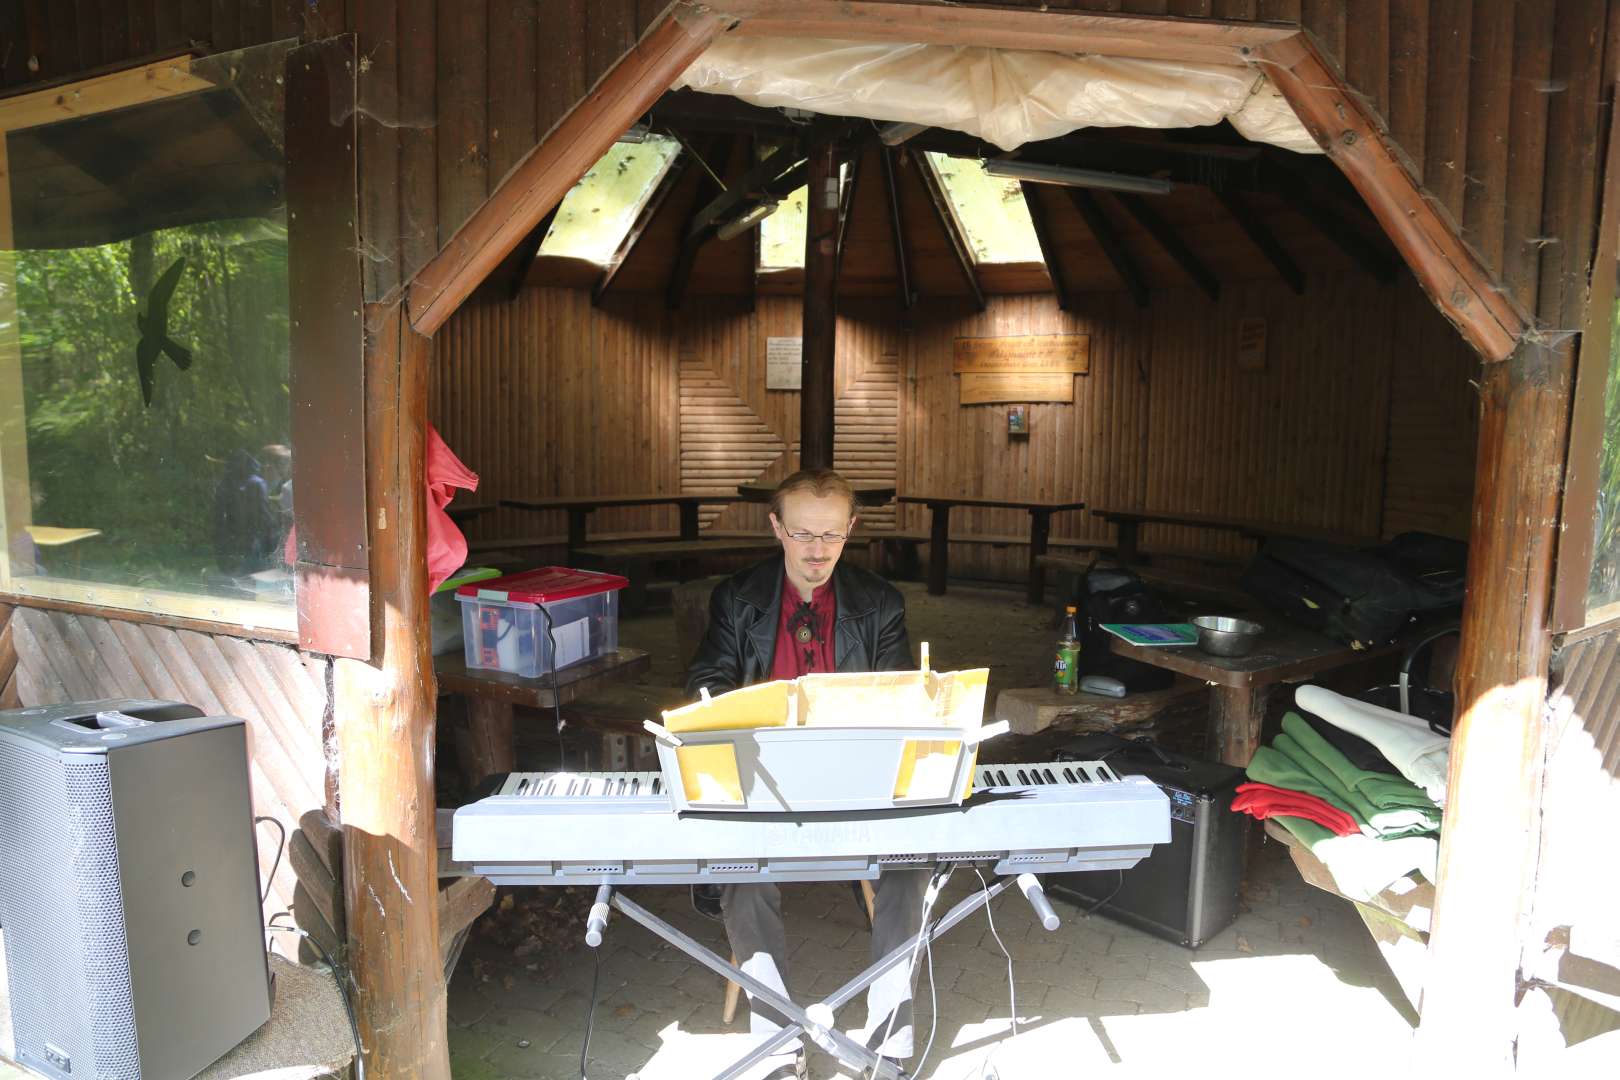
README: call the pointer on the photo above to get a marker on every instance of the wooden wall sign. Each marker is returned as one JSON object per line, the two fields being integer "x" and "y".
{"x": 1251, "y": 354}
{"x": 784, "y": 363}
{"x": 1068, "y": 353}
{"x": 983, "y": 388}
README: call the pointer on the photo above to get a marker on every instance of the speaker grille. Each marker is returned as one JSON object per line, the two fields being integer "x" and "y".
{"x": 44, "y": 959}
{"x": 101, "y": 911}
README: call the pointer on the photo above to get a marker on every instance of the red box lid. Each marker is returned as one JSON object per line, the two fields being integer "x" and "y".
{"x": 542, "y": 586}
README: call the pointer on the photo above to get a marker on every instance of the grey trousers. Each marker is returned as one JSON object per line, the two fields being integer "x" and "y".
{"x": 753, "y": 916}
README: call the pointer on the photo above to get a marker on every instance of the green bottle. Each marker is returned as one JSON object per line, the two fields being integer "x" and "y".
{"x": 1066, "y": 665}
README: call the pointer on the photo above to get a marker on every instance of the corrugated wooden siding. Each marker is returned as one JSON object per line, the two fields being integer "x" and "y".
{"x": 282, "y": 696}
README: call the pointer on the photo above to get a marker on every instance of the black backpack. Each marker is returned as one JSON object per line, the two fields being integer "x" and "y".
{"x": 1114, "y": 595}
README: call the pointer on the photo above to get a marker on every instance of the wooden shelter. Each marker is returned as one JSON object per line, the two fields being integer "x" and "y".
{"x": 1435, "y": 290}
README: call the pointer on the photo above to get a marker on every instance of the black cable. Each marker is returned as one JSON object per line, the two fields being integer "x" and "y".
{"x": 556, "y": 697}
{"x": 280, "y": 847}
{"x": 590, "y": 1016}
{"x": 1094, "y": 908}
{"x": 342, "y": 976}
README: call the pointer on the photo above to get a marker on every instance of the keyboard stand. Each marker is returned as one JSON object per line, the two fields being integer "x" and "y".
{"x": 815, "y": 1021}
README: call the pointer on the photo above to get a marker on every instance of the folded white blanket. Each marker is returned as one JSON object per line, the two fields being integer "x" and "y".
{"x": 1406, "y": 741}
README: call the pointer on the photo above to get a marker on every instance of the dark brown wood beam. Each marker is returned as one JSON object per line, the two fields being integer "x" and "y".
{"x": 1154, "y": 38}
{"x": 1262, "y": 237}
{"x": 947, "y": 221}
{"x": 529, "y": 250}
{"x": 541, "y": 179}
{"x": 847, "y": 206}
{"x": 686, "y": 256}
{"x": 1049, "y": 247}
{"x": 1353, "y": 139}
{"x": 1108, "y": 239}
{"x": 897, "y": 228}
{"x": 384, "y": 717}
{"x": 816, "y": 424}
{"x": 766, "y": 175}
{"x": 1173, "y": 244}
{"x": 671, "y": 179}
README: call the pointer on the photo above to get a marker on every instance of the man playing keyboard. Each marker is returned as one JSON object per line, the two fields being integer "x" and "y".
{"x": 795, "y": 614}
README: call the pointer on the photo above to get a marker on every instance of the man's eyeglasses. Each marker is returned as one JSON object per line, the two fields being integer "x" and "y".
{"x": 804, "y": 537}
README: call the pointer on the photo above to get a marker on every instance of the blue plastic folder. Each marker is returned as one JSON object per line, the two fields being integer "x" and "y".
{"x": 1154, "y": 633}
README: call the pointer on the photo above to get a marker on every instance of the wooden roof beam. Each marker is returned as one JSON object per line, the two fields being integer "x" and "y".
{"x": 649, "y": 210}
{"x": 847, "y": 208}
{"x": 1172, "y": 243}
{"x": 1108, "y": 237}
{"x": 902, "y": 263}
{"x": 541, "y": 179}
{"x": 953, "y": 232}
{"x": 681, "y": 273}
{"x": 766, "y": 175}
{"x": 1263, "y": 238}
{"x": 1049, "y": 247}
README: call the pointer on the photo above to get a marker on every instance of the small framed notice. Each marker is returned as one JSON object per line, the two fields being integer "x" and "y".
{"x": 784, "y": 363}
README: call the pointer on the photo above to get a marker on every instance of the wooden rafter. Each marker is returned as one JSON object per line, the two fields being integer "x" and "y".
{"x": 529, "y": 251}
{"x": 1049, "y": 248}
{"x": 541, "y": 179}
{"x": 784, "y": 161}
{"x": 1172, "y": 243}
{"x": 1366, "y": 254}
{"x": 897, "y": 229}
{"x": 1108, "y": 239}
{"x": 1263, "y": 238}
{"x": 953, "y": 231}
{"x": 847, "y": 207}
{"x": 667, "y": 184}
{"x": 691, "y": 242}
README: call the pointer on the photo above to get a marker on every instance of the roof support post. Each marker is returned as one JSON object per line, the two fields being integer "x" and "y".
{"x": 1108, "y": 237}
{"x": 820, "y": 307}
{"x": 1048, "y": 242}
{"x": 897, "y": 228}
{"x": 384, "y": 714}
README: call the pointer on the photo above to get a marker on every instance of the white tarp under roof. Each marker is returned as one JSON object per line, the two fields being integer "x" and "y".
{"x": 1006, "y": 97}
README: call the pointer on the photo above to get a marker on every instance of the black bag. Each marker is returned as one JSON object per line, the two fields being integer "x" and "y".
{"x": 1111, "y": 595}
{"x": 1359, "y": 596}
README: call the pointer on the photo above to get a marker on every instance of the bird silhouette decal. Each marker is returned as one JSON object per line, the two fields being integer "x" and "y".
{"x": 154, "y": 327}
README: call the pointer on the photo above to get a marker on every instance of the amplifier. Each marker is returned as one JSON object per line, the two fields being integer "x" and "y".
{"x": 1186, "y": 890}
{"x": 129, "y": 889}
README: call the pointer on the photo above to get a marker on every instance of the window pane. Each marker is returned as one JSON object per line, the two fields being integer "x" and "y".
{"x": 1603, "y": 590}
{"x": 598, "y": 212}
{"x": 781, "y": 236}
{"x": 149, "y": 271}
{"x": 990, "y": 211}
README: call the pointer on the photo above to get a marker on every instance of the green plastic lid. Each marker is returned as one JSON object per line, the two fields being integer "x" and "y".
{"x": 467, "y": 574}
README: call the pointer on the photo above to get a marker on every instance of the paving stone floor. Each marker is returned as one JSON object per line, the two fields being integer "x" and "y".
{"x": 1296, "y": 977}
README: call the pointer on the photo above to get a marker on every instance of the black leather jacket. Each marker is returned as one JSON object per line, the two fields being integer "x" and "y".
{"x": 740, "y": 643}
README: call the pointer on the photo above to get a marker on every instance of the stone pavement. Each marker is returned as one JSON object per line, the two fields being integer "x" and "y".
{"x": 1296, "y": 979}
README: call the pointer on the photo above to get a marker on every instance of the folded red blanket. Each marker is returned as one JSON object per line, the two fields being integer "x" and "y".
{"x": 1264, "y": 801}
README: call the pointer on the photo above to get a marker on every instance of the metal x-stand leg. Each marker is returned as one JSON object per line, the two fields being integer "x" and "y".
{"x": 816, "y": 1021}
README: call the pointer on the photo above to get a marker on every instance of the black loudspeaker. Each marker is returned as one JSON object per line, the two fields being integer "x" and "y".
{"x": 1187, "y": 890}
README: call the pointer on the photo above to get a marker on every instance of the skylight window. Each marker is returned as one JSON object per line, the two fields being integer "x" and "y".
{"x": 595, "y": 216}
{"x": 989, "y": 210}
{"x": 781, "y": 236}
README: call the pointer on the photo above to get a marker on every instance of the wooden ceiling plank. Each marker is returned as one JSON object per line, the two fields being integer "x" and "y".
{"x": 1174, "y": 246}
{"x": 947, "y": 221}
{"x": 1264, "y": 239}
{"x": 1108, "y": 238}
{"x": 897, "y": 228}
{"x": 1049, "y": 247}
{"x": 672, "y": 177}
{"x": 681, "y": 272}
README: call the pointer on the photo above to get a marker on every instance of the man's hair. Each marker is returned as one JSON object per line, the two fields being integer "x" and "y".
{"x": 819, "y": 482}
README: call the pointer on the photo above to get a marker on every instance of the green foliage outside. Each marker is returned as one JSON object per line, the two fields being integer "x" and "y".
{"x": 990, "y": 209}
{"x": 98, "y": 457}
{"x": 599, "y": 210}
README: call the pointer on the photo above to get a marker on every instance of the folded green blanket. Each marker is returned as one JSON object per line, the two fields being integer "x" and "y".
{"x": 1393, "y": 806}
{"x": 1272, "y": 766}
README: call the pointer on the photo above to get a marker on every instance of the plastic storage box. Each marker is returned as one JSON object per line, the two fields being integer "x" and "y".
{"x": 444, "y": 614}
{"x": 836, "y": 742}
{"x": 510, "y": 623}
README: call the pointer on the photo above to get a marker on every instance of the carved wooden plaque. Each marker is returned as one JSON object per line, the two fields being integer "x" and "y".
{"x": 982, "y": 388}
{"x": 1068, "y": 353}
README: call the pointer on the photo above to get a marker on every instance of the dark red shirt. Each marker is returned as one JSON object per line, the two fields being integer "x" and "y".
{"x": 804, "y": 632}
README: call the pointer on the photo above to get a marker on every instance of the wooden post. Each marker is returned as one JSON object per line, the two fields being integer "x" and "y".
{"x": 1488, "y": 845}
{"x": 385, "y": 720}
{"x": 820, "y": 309}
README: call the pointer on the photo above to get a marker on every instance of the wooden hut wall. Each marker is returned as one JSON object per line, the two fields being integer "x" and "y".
{"x": 1362, "y": 420}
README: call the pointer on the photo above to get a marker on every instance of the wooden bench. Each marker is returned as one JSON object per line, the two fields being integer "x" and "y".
{"x": 636, "y": 560}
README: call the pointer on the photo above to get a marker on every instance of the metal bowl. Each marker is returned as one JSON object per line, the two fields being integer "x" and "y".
{"x": 1220, "y": 635}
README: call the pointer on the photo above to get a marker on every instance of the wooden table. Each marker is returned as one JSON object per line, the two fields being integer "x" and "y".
{"x": 1040, "y": 527}
{"x": 1242, "y": 684}
{"x": 579, "y": 507}
{"x": 865, "y": 494}
{"x": 491, "y": 696}
{"x": 465, "y": 513}
{"x": 1128, "y": 522}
